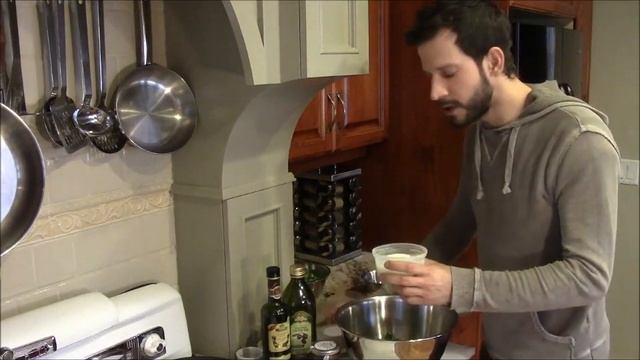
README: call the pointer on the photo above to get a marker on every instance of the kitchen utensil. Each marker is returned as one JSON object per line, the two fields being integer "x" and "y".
{"x": 155, "y": 106}
{"x": 316, "y": 277}
{"x": 44, "y": 120}
{"x": 63, "y": 107}
{"x": 90, "y": 120}
{"x": 22, "y": 172}
{"x": 113, "y": 140}
{"x": 15, "y": 91}
{"x": 387, "y": 327}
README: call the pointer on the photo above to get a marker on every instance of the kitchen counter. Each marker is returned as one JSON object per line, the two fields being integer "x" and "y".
{"x": 343, "y": 285}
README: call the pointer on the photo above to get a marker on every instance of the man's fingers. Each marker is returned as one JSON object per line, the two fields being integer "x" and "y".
{"x": 401, "y": 279}
{"x": 406, "y": 267}
{"x": 408, "y": 292}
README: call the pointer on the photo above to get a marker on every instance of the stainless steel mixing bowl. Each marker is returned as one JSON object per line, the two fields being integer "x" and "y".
{"x": 387, "y": 327}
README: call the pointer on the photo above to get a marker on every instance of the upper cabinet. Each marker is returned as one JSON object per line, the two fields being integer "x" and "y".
{"x": 335, "y": 38}
{"x": 287, "y": 40}
{"x": 349, "y": 113}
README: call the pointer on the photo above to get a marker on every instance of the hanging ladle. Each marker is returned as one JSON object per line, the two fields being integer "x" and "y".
{"x": 90, "y": 120}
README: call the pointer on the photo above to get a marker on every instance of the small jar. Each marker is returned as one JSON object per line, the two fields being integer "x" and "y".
{"x": 325, "y": 350}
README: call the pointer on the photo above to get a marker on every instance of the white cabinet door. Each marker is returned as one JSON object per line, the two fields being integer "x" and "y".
{"x": 335, "y": 37}
{"x": 259, "y": 233}
{"x": 287, "y": 40}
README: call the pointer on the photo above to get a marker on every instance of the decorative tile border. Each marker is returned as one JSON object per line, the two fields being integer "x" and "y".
{"x": 52, "y": 224}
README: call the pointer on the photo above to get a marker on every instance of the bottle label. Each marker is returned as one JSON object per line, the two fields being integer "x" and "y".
{"x": 301, "y": 328}
{"x": 279, "y": 337}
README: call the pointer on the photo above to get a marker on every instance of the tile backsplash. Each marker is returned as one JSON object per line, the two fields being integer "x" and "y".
{"x": 107, "y": 220}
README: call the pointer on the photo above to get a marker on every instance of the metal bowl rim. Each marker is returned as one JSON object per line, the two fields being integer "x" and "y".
{"x": 355, "y": 302}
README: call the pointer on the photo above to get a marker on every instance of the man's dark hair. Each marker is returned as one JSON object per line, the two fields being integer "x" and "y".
{"x": 479, "y": 25}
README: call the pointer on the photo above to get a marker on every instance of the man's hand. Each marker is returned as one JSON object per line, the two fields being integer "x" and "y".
{"x": 428, "y": 283}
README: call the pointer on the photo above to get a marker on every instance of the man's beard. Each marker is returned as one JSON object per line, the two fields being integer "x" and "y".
{"x": 476, "y": 107}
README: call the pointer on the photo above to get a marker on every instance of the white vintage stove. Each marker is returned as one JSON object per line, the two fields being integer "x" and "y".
{"x": 144, "y": 323}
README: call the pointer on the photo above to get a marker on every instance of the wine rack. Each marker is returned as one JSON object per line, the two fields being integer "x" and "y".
{"x": 327, "y": 215}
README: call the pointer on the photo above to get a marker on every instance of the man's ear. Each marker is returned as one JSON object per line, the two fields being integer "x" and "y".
{"x": 495, "y": 61}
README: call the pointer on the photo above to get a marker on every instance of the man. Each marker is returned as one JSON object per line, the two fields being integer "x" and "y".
{"x": 538, "y": 189}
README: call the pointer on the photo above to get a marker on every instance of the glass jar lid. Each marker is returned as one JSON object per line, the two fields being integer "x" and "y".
{"x": 325, "y": 347}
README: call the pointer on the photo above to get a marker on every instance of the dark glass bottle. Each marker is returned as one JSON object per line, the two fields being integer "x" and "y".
{"x": 302, "y": 304}
{"x": 276, "y": 335}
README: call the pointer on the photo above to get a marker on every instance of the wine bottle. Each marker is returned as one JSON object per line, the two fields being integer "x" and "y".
{"x": 302, "y": 304}
{"x": 276, "y": 334}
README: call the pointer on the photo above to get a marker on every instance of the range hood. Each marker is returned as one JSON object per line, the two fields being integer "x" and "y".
{"x": 232, "y": 188}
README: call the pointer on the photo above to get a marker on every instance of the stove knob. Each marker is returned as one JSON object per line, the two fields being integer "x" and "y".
{"x": 153, "y": 345}
{"x": 6, "y": 354}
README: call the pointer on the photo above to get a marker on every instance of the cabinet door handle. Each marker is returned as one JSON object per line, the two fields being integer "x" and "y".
{"x": 334, "y": 111}
{"x": 345, "y": 121}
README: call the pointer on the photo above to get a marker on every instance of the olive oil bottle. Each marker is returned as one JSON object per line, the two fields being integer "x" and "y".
{"x": 302, "y": 306}
{"x": 276, "y": 335}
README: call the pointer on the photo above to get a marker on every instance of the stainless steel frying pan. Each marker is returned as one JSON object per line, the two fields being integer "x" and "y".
{"x": 155, "y": 106}
{"x": 22, "y": 170}
{"x": 21, "y": 162}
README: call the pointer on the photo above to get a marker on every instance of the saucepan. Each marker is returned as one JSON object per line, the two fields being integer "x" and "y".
{"x": 387, "y": 327}
{"x": 155, "y": 106}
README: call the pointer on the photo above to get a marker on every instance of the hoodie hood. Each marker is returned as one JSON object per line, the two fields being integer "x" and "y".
{"x": 545, "y": 98}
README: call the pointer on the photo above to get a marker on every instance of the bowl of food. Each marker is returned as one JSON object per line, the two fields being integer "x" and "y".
{"x": 387, "y": 327}
{"x": 316, "y": 277}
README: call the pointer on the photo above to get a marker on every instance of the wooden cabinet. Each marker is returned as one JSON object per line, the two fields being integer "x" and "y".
{"x": 349, "y": 113}
{"x": 287, "y": 40}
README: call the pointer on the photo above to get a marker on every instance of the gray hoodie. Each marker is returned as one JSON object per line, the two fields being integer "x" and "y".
{"x": 541, "y": 196}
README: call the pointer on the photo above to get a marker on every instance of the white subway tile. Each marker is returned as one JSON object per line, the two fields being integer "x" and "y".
{"x": 9, "y": 308}
{"x": 17, "y": 272}
{"x": 28, "y": 22}
{"x": 158, "y": 33}
{"x": 32, "y": 79}
{"x": 106, "y": 280}
{"x": 38, "y": 298}
{"x": 81, "y": 284}
{"x": 119, "y": 30}
{"x": 54, "y": 260}
{"x": 156, "y": 267}
{"x": 123, "y": 240}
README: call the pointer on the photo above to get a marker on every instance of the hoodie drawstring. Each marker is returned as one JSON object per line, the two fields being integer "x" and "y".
{"x": 508, "y": 167}
{"x": 478, "y": 160}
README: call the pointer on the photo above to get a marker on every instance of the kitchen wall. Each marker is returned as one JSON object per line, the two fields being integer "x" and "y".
{"x": 614, "y": 89}
{"x": 107, "y": 219}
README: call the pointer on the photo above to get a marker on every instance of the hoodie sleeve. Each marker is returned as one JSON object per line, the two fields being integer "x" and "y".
{"x": 587, "y": 199}
{"x": 453, "y": 233}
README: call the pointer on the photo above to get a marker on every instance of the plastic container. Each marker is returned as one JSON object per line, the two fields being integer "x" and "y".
{"x": 398, "y": 252}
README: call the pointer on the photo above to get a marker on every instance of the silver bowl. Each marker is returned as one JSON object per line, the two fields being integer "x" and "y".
{"x": 387, "y": 327}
